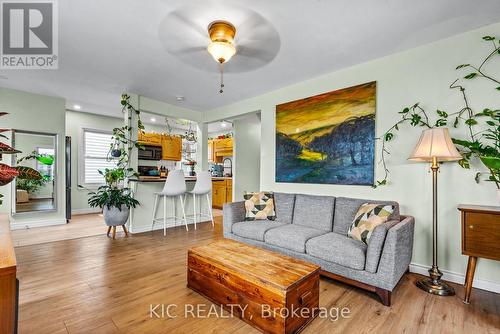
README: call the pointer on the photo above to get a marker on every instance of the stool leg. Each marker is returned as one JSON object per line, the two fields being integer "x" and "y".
{"x": 109, "y": 230}
{"x": 184, "y": 212}
{"x": 175, "y": 212}
{"x": 154, "y": 211}
{"x": 194, "y": 210}
{"x": 210, "y": 209}
{"x": 114, "y": 232}
{"x": 164, "y": 215}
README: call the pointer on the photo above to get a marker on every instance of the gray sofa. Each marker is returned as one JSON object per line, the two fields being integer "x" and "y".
{"x": 314, "y": 228}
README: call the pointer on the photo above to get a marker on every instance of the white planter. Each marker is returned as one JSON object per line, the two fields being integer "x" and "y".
{"x": 115, "y": 217}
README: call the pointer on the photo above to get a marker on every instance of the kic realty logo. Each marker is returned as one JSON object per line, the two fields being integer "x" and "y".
{"x": 29, "y": 34}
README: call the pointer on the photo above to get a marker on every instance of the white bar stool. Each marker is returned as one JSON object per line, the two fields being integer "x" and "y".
{"x": 203, "y": 187}
{"x": 175, "y": 186}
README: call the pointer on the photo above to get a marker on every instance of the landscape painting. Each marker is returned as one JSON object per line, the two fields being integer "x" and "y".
{"x": 327, "y": 138}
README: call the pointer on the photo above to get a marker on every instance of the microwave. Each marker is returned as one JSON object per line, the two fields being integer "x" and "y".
{"x": 150, "y": 153}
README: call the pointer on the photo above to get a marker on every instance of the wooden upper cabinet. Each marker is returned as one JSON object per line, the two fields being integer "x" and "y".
{"x": 211, "y": 151}
{"x": 171, "y": 147}
{"x": 146, "y": 138}
{"x": 225, "y": 144}
{"x": 221, "y": 148}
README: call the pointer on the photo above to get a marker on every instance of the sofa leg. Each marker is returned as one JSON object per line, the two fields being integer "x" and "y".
{"x": 385, "y": 296}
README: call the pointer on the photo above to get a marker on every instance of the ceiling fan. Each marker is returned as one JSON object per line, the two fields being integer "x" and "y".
{"x": 193, "y": 34}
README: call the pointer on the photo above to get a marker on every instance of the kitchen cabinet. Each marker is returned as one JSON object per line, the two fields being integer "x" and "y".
{"x": 221, "y": 192}
{"x": 220, "y": 148}
{"x": 171, "y": 147}
{"x": 211, "y": 151}
{"x": 146, "y": 138}
{"x": 229, "y": 191}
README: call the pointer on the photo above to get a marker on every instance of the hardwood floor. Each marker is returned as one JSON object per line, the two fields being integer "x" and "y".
{"x": 99, "y": 285}
{"x": 79, "y": 227}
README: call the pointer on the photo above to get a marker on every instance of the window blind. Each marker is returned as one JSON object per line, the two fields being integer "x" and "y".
{"x": 96, "y": 147}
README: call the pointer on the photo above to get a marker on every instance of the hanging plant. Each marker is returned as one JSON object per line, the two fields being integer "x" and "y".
{"x": 483, "y": 141}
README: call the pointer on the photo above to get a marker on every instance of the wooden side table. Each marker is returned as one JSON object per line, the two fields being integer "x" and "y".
{"x": 480, "y": 238}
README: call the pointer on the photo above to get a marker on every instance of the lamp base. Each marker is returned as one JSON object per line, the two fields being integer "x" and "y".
{"x": 434, "y": 284}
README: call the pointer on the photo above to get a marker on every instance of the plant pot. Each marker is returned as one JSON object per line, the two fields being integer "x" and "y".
{"x": 498, "y": 196}
{"x": 115, "y": 217}
{"x": 116, "y": 153}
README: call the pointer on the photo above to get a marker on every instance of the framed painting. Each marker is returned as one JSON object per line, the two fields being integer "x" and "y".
{"x": 328, "y": 138}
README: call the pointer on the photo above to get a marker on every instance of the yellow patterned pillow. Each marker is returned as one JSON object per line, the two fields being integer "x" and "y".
{"x": 259, "y": 205}
{"x": 368, "y": 217}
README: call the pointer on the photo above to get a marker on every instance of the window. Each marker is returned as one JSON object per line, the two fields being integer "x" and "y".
{"x": 95, "y": 151}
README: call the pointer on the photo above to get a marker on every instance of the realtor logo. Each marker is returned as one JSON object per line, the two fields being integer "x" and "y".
{"x": 29, "y": 34}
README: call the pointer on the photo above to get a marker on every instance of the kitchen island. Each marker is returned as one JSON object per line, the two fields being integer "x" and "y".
{"x": 144, "y": 189}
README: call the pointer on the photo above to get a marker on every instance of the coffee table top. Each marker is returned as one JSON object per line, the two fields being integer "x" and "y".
{"x": 257, "y": 264}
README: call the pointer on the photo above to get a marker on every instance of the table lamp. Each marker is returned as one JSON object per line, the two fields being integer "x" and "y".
{"x": 434, "y": 146}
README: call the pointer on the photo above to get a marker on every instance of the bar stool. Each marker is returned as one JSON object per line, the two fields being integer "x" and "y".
{"x": 175, "y": 186}
{"x": 203, "y": 187}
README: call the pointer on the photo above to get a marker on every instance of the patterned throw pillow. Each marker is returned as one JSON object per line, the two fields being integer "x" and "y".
{"x": 368, "y": 217}
{"x": 259, "y": 205}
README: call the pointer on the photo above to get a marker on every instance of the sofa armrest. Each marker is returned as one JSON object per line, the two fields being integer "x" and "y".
{"x": 397, "y": 252}
{"x": 376, "y": 245}
{"x": 232, "y": 213}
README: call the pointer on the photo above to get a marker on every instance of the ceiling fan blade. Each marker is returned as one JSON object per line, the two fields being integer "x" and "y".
{"x": 190, "y": 50}
{"x": 264, "y": 54}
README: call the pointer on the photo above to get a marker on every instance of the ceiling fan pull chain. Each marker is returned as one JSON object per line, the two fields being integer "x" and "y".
{"x": 221, "y": 78}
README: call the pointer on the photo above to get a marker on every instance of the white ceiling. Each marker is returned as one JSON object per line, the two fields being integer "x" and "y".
{"x": 108, "y": 47}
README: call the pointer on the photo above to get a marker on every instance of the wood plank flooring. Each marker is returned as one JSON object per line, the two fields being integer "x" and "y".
{"x": 98, "y": 285}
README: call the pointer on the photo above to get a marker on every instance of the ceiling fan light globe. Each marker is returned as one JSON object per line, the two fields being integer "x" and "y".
{"x": 221, "y": 51}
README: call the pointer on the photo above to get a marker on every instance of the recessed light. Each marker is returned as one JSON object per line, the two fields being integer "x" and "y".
{"x": 223, "y": 124}
{"x": 77, "y": 107}
{"x": 152, "y": 119}
{"x": 179, "y": 98}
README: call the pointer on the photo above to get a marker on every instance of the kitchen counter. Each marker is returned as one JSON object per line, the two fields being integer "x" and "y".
{"x": 144, "y": 189}
{"x": 163, "y": 179}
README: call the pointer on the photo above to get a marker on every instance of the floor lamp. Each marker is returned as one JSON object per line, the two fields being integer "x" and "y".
{"x": 435, "y": 146}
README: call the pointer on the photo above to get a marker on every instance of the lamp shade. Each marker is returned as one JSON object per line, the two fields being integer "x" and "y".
{"x": 435, "y": 143}
{"x": 221, "y": 51}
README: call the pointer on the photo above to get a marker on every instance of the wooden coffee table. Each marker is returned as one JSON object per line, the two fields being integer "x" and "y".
{"x": 270, "y": 291}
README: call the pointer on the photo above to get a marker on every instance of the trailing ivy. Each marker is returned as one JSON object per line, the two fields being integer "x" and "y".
{"x": 483, "y": 141}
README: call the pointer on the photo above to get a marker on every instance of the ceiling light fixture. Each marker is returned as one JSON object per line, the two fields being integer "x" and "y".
{"x": 77, "y": 106}
{"x": 221, "y": 47}
{"x": 223, "y": 124}
{"x": 152, "y": 119}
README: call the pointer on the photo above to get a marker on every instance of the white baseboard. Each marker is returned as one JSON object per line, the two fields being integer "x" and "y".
{"x": 35, "y": 223}
{"x": 159, "y": 226}
{"x": 457, "y": 278}
{"x": 85, "y": 211}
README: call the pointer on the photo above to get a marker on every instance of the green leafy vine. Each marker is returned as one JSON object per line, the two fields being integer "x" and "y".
{"x": 482, "y": 144}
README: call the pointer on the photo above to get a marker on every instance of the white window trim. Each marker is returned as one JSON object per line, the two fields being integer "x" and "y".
{"x": 81, "y": 157}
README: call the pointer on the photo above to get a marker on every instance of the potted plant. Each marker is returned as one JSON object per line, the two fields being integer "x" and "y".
{"x": 114, "y": 197}
{"x": 482, "y": 142}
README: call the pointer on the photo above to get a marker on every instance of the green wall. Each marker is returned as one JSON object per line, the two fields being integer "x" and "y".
{"x": 421, "y": 75}
{"x": 40, "y": 113}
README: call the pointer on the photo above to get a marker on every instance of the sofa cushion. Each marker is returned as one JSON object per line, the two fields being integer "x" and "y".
{"x": 367, "y": 218}
{"x": 314, "y": 211}
{"x": 259, "y": 205}
{"x": 283, "y": 205}
{"x": 290, "y": 236}
{"x": 346, "y": 208}
{"x": 339, "y": 249}
{"x": 254, "y": 229}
